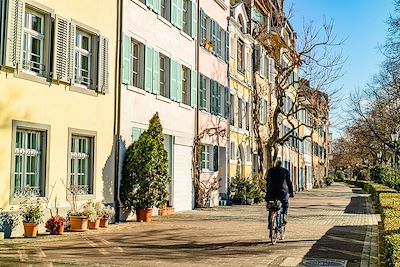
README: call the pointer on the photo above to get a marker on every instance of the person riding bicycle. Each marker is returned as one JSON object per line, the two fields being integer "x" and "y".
{"x": 279, "y": 187}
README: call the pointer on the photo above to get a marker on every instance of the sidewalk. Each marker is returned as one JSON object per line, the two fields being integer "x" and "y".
{"x": 333, "y": 224}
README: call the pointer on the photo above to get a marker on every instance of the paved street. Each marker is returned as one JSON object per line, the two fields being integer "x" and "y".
{"x": 334, "y": 223}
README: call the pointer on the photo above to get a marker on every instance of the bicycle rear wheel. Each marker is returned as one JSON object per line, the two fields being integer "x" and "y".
{"x": 273, "y": 231}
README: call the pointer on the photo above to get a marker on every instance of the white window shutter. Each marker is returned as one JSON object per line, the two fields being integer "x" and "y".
{"x": 61, "y": 55}
{"x": 271, "y": 74}
{"x": 193, "y": 91}
{"x": 174, "y": 80}
{"x": 103, "y": 66}
{"x": 14, "y": 33}
{"x": 179, "y": 76}
{"x": 71, "y": 48}
{"x": 262, "y": 63}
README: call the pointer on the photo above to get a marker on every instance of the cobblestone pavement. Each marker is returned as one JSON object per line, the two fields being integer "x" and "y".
{"x": 333, "y": 226}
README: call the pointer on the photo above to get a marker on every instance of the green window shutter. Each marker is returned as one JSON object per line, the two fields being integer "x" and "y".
{"x": 174, "y": 81}
{"x": 194, "y": 19}
{"x": 174, "y": 11}
{"x": 219, "y": 90}
{"x": 193, "y": 91}
{"x": 214, "y": 33}
{"x": 212, "y": 97}
{"x": 136, "y": 132}
{"x": 156, "y": 72}
{"x": 202, "y": 157}
{"x": 227, "y": 40}
{"x": 227, "y": 103}
{"x": 179, "y": 17}
{"x": 179, "y": 76}
{"x": 126, "y": 59}
{"x": 148, "y": 77}
{"x": 202, "y": 26}
{"x": 202, "y": 92}
{"x": 215, "y": 158}
{"x": 150, "y": 3}
{"x": 157, "y": 6}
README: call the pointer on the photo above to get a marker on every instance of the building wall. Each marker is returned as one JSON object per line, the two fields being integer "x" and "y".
{"x": 138, "y": 106}
{"x": 60, "y": 108}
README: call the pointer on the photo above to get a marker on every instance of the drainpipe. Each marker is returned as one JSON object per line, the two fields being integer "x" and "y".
{"x": 228, "y": 145}
{"x": 117, "y": 109}
{"x": 197, "y": 67}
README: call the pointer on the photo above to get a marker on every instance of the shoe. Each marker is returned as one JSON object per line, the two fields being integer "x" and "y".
{"x": 284, "y": 219}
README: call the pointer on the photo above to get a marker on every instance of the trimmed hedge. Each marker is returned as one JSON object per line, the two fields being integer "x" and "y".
{"x": 388, "y": 202}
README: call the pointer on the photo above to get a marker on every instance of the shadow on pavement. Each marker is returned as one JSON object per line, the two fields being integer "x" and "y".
{"x": 341, "y": 242}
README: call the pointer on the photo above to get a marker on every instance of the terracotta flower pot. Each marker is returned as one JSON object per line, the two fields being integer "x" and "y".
{"x": 59, "y": 232}
{"x": 94, "y": 225}
{"x": 163, "y": 211}
{"x": 78, "y": 223}
{"x": 144, "y": 215}
{"x": 30, "y": 229}
{"x": 104, "y": 222}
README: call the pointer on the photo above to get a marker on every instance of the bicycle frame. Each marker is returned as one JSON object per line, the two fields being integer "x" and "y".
{"x": 275, "y": 220}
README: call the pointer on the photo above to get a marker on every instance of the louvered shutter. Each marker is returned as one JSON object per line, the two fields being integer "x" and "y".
{"x": 148, "y": 76}
{"x": 156, "y": 72}
{"x": 174, "y": 11}
{"x": 174, "y": 81}
{"x": 179, "y": 16}
{"x": 194, "y": 19}
{"x": 14, "y": 33}
{"x": 227, "y": 102}
{"x": 215, "y": 158}
{"x": 212, "y": 97}
{"x": 227, "y": 45}
{"x": 193, "y": 91}
{"x": 262, "y": 64}
{"x": 61, "y": 44}
{"x": 271, "y": 69}
{"x": 202, "y": 92}
{"x": 157, "y": 6}
{"x": 257, "y": 58}
{"x": 150, "y": 3}
{"x": 3, "y": 10}
{"x": 179, "y": 75}
{"x": 103, "y": 86}
{"x": 71, "y": 47}
{"x": 126, "y": 59}
{"x": 202, "y": 26}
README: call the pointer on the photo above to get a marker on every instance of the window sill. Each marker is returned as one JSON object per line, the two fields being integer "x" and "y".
{"x": 185, "y": 106}
{"x": 135, "y": 89}
{"x": 207, "y": 171}
{"x": 80, "y": 197}
{"x": 140, "y": 4}
{"x": 164, "y": 99}
{"x": 82, "y": 90}
{"x": 164, "y": 20}
{"x": 31, "y": 77}
{"x": 20, "y": 200}
{"x": 187, "y": 36}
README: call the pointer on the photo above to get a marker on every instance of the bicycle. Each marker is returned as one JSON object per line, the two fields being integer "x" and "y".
{"x": 275, "y": 220}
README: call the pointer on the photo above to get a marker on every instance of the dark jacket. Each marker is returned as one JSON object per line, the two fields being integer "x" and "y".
{"x": 279, "y": 185}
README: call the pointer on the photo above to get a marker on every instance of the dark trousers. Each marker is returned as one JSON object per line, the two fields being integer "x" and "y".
{"x": 285, "y": 206}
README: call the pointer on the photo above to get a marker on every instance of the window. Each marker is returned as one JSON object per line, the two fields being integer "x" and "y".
{"x": 215, "y": 158}
{"x": 33, "y": 42}
{"x": 206, "y": 152}
{"x": 165, "y": 8}
{"x": 241, "y": 24}
{"x": 185, "y": 85}
{"x": 82, "y": 59}
{"x": 186, "y": 26}
{"x": 136, "y": 64}
{"x": 81, "y": 164}
{"x": 233, "y": 151}
{"x": 164, "y": 74}
{"x": 204, "y": 20}
{"x": 203, "y": 92}
{"x": 215, "y": 98}
{"x": 240, "y": 56}
{"x": 248, "y": 154}
{"x": 29, "y": 169}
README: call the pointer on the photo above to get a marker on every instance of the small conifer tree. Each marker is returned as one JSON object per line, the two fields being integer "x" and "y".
{"x": 145, "y": 177}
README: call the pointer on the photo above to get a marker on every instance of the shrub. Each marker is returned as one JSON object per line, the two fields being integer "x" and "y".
{"x": 107, "y": 212}
{"x": 329, "y": 180}
{"x": 339, "y": 177}
{"x": 89, "y": 210}
{"x": 238, "y": 189}
{"x": 392, "y": 250}
{"x": 8, "y": 220}
{"x": 145, "y": 177}
{"x": 260, "y": 187}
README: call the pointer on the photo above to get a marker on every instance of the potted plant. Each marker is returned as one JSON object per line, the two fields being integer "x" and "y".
{"x": 145, "y": 177}
{"x": 106, "y": 213}
{"x": 55, "y": 225}
{"x": 78, "y": 221}
{"x": 32, "y": 213}
{"x": 9, "y": 220}
{"x": 90, "y": 210}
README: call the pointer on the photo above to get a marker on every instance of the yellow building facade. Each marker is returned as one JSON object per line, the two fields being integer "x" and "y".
{"x": 57, "y": 101}
{"x": 240, "y": 83}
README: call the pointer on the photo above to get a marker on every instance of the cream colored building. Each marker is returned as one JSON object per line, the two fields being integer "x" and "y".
{"x": 57, "y": 100}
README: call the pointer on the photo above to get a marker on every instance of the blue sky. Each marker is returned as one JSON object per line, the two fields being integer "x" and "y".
{"x": 363, "y": 24}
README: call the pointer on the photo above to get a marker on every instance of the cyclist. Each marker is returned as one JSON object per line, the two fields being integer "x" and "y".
{"x": 279, "y": 186}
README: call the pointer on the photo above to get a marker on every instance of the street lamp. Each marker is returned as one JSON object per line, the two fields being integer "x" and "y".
{"x": 395, "y": 137}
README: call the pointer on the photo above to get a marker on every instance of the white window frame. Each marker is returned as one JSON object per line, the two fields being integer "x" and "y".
{"x": 28, "y": 35}
{"x": 186, "y": 85}
{"x": 76, "y": 157}
{"x": 79, "y": 52}
{"x": 232, "y": 156}
{"x": 207, "y": 160}
{"x": 186, "y": 19}
{"x": 164, "y": 75}
{"x": 139, "y": 64}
